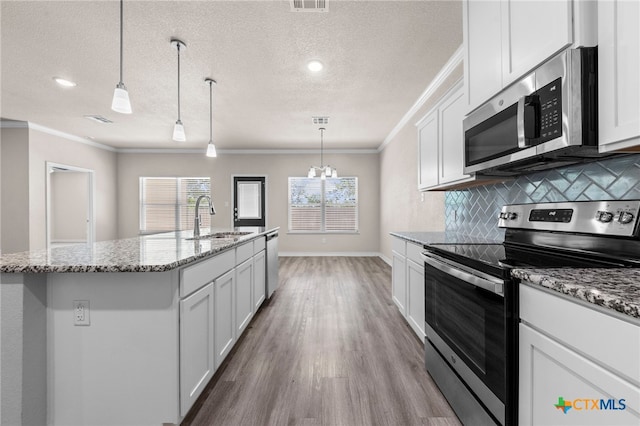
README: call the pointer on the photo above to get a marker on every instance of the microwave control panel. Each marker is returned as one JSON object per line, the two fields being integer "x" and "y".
{"x": 550, "y": 98}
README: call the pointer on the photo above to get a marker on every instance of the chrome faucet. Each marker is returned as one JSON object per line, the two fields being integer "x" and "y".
{"x": 196, "y": 223}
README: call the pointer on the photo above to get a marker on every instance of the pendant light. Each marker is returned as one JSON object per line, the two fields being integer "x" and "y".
{"x": 120, "y": 102}
{"x": 178, "y": 129}
{"x": 211, "y": 148}
{"x": 325, "y": 171}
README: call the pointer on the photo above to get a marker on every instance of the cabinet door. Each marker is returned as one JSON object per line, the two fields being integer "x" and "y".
{"x": 428, "y": 151}
{"x": 224, "y": 336}
{"x": 196, "y": 345}
{"x": 259, "y": 279}
{"x": 618, "y": 71}
{"x": 532, "y": 32}
{"x": 244, "y": 301}
{"x": 452, "y": 138}
{"x": 483, "y": 51}
{"x": 399, "y": 283}
{"x": 549, "y": 371}
{"x": 415, "y": 297}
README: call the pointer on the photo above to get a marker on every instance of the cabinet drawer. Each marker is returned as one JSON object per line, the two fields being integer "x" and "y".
{"x": 194, "y": 277}
{"x": 399, "y": 245}
{"x": 413, "y": 253}
{"x": 259, "y": 244}
{"x": 610, "y": 341}
{"x": 244, "y": 252}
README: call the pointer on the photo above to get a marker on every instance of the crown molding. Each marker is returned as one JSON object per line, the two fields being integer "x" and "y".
{"x": 12, "y": 124}
{"x": 245, "y": 151}
{"x": 439, "y": 79}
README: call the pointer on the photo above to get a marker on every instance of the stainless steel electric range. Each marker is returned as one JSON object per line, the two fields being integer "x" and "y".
{"x": 471, "y": 301}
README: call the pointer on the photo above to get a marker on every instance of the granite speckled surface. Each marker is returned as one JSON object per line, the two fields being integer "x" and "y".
{"x": 616, "y": 289}
{"x": 426, "y": 238}
{"x": 149, "y": 253}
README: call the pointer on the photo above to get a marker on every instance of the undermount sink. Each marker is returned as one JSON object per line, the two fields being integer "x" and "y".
{"x": 229, "y": 235}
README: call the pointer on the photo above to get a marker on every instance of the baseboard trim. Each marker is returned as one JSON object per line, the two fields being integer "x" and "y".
{"x": 386, "y": 260}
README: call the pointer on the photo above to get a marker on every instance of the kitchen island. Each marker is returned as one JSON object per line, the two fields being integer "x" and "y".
{"x": 127, "y": 331}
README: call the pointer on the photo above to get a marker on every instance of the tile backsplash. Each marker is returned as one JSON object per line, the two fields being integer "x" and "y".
{"x": 474, "y": 211}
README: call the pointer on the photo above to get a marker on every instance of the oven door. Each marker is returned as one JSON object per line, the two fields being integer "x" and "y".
{"x": 466, "y": 318}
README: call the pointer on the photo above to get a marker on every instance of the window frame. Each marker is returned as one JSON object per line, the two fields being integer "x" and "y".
{"x": 323, "y": 205}
{"x": 176, "y": 204}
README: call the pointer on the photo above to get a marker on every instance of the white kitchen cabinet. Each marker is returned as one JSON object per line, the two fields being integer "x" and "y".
{"x": 408, "y": 283}
{"x": 415, "y": 290}
{"x": 572, "y": 351}
{"x": 618, "y": 71}
{"x": 441, "y": 144}
{"x": 259, "y": 279}
{"x": 399, "y": 274}
{"x": 506, "y": 39}
{"x": 197, "y": 359}
{"x": 224, "y": 326}
{"x": 243, "y": 298}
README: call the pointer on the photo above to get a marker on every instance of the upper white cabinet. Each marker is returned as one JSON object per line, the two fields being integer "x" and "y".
{"x": 506, "y": 39}
{"x": 618, "y": 71}
{"x": 441, "y": 144}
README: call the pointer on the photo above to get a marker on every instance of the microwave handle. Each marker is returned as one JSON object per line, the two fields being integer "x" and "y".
{"x": 494, "y": 286}
{"x": 522, "y": 141}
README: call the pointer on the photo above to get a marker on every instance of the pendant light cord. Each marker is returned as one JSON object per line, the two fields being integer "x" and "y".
{"x": 178, "y": 45}
{"x": 210, "y": 111}
{"x": 121, "y": 37}
{"x": 321, "y": 147}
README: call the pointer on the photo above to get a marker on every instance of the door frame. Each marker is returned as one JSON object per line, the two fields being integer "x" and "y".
{"x": 265, "y": 201}
{"x": 91, "y": 211}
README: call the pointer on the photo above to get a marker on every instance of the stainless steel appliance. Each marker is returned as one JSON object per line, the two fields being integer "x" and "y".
{"x": 471, "y": 302}
{"x": 547, "y": 119}
{"x": 272, "y": 262}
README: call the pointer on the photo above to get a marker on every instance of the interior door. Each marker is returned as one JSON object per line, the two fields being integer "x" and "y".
{"x": 249, "y": 201}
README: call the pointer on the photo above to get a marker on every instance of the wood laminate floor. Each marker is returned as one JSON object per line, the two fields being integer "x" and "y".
{"x": 330, "y": 348}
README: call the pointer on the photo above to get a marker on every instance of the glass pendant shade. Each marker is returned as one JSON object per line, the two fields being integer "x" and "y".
{"x": 328, "y": 171}
{"x": 121, "y": 101}
{"x": 323, "y": 176}
{"x": 211, "y": 150}
{"x": 178, "y": 132}
{"x": 334, "y": 174}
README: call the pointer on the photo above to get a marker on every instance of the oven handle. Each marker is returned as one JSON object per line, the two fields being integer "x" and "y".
{"x": 491, "y": 284}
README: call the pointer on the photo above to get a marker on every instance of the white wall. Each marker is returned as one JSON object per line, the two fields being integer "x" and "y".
{"x": 14, "y": 228}
{"x": 277, "y": 168}
{"x": 402, "y": 207}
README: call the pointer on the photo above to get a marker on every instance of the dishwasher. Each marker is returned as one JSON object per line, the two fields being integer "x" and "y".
{"x": 272, "y": 263}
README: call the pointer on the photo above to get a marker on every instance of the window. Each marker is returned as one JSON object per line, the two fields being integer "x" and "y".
{"x": 168, "y": 204}
{"x": 317, "y": 205}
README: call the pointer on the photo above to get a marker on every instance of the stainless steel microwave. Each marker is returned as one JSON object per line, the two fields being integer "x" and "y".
{"x": 547, "y": 119}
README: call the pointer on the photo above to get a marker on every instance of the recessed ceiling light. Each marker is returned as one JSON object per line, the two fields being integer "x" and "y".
{"x": 64, "y": 82}
{"x": 315, "y": 66}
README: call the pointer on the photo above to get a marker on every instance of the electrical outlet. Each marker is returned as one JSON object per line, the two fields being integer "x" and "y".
{"x": 81, "y": 312}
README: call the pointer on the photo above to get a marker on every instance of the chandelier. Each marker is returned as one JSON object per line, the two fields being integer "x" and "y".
{"x": 325, "y": 171}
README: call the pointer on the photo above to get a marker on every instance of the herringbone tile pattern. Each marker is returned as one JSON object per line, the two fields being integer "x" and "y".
{"x": 475, "y": 211}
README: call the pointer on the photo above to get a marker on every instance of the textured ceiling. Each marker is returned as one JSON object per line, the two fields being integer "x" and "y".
{"x": 379, "y": 57}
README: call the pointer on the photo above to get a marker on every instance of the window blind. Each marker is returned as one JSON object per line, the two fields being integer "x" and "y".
{"x": 317, "y": 205}
{"x": 168, "y": 204}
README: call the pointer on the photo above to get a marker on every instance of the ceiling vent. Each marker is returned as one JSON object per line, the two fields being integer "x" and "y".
{"x": 309, "y": 5}
{"x": 320, "y": 120}
{"x": 98, "y": 118}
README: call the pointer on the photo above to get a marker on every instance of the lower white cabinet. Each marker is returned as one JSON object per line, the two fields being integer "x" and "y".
{"x": 415, "y": 299}
{"x": 244, "y": 301}
{"x": 408, "y": 283}
{"x": 197, "y": 359}
{"x": 577, "y": 366}
{"x": 224, "y": 327}
{"x": 259, "y": 279}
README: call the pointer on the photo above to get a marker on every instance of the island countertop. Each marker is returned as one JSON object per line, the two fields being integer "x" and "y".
{"x": 615, "y": 289}
{"x": 146, "y": 253}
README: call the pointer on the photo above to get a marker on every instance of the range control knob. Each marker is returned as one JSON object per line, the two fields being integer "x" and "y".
{"x": 625, "y": 217}
{"x": 504, "y": 215}
{"x": 513, "y": 216}
{"x": 605, "y": 217}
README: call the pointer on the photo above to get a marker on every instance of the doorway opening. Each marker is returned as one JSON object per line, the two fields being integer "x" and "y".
{"x": 249, "y": 201}
{"x": 70, "y": 201}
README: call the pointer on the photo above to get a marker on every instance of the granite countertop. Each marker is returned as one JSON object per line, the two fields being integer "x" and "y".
{"x": 148, "y": 253}
{"x": 616, "y": 289}
{"x": 426, "y": 238}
